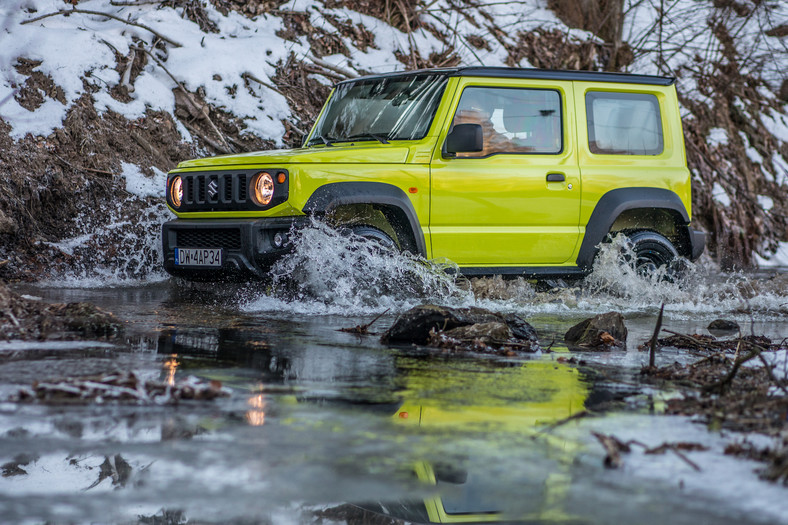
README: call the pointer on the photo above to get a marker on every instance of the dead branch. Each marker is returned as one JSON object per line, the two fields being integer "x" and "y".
{"x": 249, "y": 76}
{"x": 364, "y": 328}
{"x": 226, "y": 147}
{"x": 66, "y": 12}
{"x": 652, "y": 353}
{"x": 342, "y": 71}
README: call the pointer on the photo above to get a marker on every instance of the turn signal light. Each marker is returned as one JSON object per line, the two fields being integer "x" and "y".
{"x": 281, "y": 177}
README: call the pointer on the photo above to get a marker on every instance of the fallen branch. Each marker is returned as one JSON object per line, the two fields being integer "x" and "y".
{"x": 226, "y": 147}
{"x": 363, "y": 329}
{"x": 66, "y": 12}
{"x": 652, "y": 353}
{"x": 342, "y": 71}
{"x": 79, "y": 168}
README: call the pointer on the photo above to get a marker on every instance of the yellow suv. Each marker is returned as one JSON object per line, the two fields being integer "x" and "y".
{"x": 501, "y": 170}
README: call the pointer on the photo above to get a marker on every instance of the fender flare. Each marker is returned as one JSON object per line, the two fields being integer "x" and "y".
{"x": 329, "y": 196}
{"x": 614, "y": 203}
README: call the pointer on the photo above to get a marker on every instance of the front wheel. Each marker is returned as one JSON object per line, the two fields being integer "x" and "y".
{"x": 377, "y": 236}
{"x": 651, "y": 251}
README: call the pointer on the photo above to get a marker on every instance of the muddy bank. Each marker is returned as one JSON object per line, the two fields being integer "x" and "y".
{"x": 29, "y": 318}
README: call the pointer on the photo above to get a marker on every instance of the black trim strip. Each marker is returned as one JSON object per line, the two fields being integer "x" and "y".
{"x": 529, "y": 73}
{"x": 525, "y": 271}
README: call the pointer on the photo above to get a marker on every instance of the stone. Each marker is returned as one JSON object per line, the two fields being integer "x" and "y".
{"x": 723, "y": 325}
{"x": 601, "y": 332}
{"x": 461, "y": 328}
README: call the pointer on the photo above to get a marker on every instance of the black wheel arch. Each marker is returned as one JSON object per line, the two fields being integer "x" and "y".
{"x": 391, "y": 200}
{"x": 616, "y": 202}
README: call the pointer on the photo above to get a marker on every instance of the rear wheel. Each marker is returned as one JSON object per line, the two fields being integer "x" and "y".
{"x": 651, "y": 251}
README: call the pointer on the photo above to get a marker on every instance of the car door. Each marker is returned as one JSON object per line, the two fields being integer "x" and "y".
{"x": 516, "y": 202}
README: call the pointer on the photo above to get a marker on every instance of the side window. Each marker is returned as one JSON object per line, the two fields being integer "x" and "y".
{"x": 624, "y": 124}
{"x": 513, "y": 120}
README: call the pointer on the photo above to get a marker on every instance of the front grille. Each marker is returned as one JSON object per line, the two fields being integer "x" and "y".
{"x": 226, "y": 191}
{"x": 227, "y": 238}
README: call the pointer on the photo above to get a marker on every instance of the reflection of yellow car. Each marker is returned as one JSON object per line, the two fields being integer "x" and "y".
{"x": 509, "y": 402}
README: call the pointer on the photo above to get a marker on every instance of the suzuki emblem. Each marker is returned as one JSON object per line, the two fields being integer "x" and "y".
{"x": 213, "y": 189}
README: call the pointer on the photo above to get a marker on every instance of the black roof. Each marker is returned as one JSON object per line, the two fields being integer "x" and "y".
{"x": 541, "y": 74}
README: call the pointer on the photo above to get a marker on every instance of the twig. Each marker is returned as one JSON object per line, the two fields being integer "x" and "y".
{"x": 79, "y": 168}
{"x": 725, "y": 381}
{"x": 694, "y": 340}
{"x": 771, "y": 375}
{"x": 67, "y": 12}
{"x": 250, "y": 76}
{"x": 364, "y": 328}
{"x": 652, "y": 352}
{"x": 564, "y": 421}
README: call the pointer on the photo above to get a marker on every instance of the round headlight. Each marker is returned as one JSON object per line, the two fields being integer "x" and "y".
{"x": 176, "y": 191}
{"x": 263, "y": 188}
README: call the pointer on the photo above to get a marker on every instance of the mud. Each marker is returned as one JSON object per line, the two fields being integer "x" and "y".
{"x": 23, "y": 318}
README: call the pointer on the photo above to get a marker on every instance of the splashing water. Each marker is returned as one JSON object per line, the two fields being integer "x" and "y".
{"x": 333, "y": 272}
{"x": 700, "y": 287}
{"x": 117, "y": 246}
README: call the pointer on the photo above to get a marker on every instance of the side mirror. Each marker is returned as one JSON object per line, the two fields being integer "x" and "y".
{"x": 465, "y": 138}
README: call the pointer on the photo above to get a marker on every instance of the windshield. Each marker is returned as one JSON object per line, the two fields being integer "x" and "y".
{"x": 389, "y": 108}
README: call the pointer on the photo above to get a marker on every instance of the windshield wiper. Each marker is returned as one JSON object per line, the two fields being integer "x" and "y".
{"x": 324, "y": 139}
{"x": 375, "y": 136}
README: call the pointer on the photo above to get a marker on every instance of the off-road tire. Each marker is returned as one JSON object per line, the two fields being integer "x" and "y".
{"x": 375, "y": 235}
{"x": 652, "y": 251}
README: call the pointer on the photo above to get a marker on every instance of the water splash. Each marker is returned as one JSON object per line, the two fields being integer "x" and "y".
{"x": 333, "y": 272}
{"x": 116, "y": 246}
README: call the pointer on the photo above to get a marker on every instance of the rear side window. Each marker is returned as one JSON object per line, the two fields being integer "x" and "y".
{"x": 624, "y": 124}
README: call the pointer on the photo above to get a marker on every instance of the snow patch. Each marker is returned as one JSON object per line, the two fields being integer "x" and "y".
{"x": 720, "y": 195}
{"x": 778, "y": 259}
{"x": 717, "y": 136}
{"x": 137, "y": 183}
{"x": 765, "y": 202}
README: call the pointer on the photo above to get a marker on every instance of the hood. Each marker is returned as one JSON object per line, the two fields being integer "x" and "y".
{"x": 360, "y": 153}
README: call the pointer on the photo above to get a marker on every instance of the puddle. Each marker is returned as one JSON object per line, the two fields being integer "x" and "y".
{"x": 328, "y": 425}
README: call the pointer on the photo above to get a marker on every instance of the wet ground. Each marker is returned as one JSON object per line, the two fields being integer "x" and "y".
{"x": 318, "y": 419}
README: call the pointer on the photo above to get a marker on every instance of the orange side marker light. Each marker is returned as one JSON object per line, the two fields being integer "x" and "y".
{"x": 413, "y": 190}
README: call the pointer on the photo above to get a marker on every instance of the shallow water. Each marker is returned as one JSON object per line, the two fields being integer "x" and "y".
{"x": 319, "y": 418}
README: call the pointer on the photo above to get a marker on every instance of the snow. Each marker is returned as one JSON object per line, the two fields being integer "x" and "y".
{"x": 778, "y": 259}
{"x": 717, "y": 136}
{"x": 720, "y": 195}
{"x": 137, "y": 183}
{"x": 765, "y": 202}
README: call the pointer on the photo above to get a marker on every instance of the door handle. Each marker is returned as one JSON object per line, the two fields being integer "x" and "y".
{"x": 555, "y": 177}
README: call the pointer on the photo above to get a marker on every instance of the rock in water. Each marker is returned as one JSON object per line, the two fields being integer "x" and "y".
{"x": 414, "y": 325}
{"x": 601, "y": 332}
{"x": 723, "y": 325}
{"x": 472, "y": 328}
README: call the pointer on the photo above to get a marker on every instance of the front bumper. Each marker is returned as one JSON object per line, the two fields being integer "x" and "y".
{"x": 248, "y": 248}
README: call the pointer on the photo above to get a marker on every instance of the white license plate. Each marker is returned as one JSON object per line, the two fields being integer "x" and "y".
{"x": 198, "y": 257}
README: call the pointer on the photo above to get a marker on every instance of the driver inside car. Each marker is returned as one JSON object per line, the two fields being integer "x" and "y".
{"x": 476, "y": 108}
